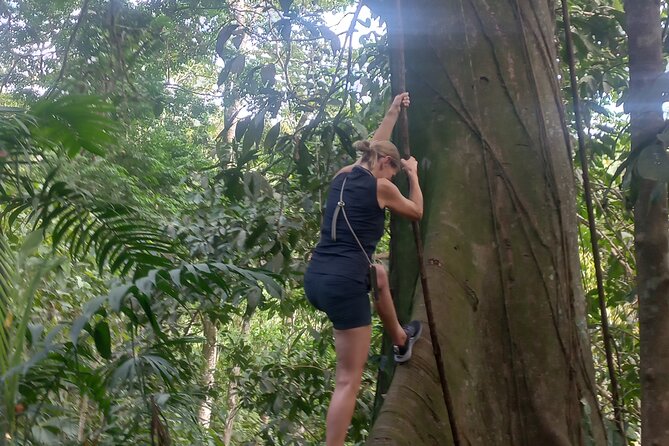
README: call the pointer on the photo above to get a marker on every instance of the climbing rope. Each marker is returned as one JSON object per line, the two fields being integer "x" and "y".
{"x": 399, "y": 86}
{"x": 587, "y": 192}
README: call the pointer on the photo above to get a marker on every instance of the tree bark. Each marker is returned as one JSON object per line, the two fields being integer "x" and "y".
{"x": 500, "y": 235}
{"x": 651, "y": 236}
{"x": 233, "y": 397}
{"x": 210, "y": 355}
{"x": 83, "y": 417}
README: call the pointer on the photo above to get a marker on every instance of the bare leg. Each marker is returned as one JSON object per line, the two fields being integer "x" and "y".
{"x": 386, "y": 307}
{"x": 352, "y": 348}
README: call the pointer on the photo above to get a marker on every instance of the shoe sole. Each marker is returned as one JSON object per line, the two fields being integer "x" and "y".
{"x": 400, "y": 359}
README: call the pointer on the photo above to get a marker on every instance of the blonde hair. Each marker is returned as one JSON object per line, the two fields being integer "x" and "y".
{"x": 373, "y": 150}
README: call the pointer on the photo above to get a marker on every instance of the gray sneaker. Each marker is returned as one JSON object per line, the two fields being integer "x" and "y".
{"x": 403, "y": 353}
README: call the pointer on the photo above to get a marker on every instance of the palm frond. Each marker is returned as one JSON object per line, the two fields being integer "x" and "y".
{"x": 7, "y": 288}
{"x": 64, "y": 126}
{"x": 180, "y": 283}
{"x": 116, "y": 235}
{"x": 68, "y": 124}
{"x": 17, "y": 296}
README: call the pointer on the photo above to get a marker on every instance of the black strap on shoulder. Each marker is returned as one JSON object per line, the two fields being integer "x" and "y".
{"x": 341, "y": 207}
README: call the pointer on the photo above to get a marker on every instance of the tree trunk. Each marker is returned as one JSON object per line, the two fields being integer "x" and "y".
{"x": 233, "y": 407}
{"x": 499, "y": 232}
{"x": 83, "y": 416}
{"x": 650, "y": 218}
{"x": 210, "y": 355}
{"x": 233, "y": 398}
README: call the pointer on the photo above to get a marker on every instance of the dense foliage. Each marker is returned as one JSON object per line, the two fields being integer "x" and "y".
{"x": 163, "y": 166}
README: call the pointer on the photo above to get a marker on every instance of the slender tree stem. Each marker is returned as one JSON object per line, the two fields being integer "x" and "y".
{"x": 80, "y": 19}
{"x": 587, "y": 193}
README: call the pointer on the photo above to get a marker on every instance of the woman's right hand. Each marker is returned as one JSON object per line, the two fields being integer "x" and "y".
{"x": 401, "y": 100}
{"x": 410, "y": 166}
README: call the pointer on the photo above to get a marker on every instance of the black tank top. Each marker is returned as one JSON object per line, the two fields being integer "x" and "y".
{"x": 343, "y": 257}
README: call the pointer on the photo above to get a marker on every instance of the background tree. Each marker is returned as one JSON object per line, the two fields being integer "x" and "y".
{"x": 649, "y": 195}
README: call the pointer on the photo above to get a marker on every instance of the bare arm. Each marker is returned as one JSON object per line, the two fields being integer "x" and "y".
{"x": 390, "y": 196}
{"x": 385, "y": 129}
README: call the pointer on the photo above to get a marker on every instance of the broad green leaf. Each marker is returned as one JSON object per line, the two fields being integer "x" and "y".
{"x": 238, "y": 39}
{"x": 241, "y": 128}
{"x": 223, "y": 76}
{"x": 272, "y": 135}
{"x": 253, "y": 299}
{"x": 31, "y": 243}
{"x": 284, "y": 27}
{"x": 268, "y": 74}
{"x": 78, "y": 324}
{"x": 285, "y": 5}
{"x": 116, "y": 296}
{"x": 125, "y": 371}
{"x": 328, "y": 34}
{"x": 202, "y": 267}
{"x": 237, "y": 64}
{"x": 161, "y": 398}
{"x": 223, "y": 36}
{"x": 90, "y": 309}
{"x": 102, "y": 338}
{"x": 175, "y": 274}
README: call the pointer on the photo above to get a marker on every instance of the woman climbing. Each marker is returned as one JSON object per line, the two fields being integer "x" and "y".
{"x": 340, "y": 272}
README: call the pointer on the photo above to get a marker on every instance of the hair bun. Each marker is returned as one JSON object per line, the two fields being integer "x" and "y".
{"x": 363, "y": 146}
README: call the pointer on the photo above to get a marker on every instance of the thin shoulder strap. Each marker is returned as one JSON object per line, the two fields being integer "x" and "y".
{"x": 340, "y": 206}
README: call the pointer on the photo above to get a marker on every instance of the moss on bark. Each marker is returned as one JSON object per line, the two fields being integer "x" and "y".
{"x": 499, "y": 234}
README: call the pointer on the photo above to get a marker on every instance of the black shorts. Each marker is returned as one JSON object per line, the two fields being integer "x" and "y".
{"x": 344, "y": 300}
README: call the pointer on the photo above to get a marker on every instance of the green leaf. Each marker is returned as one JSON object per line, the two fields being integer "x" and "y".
{"x": 31, "y": 243}
{"x": 284, "y": 28}
{"x": 247, "y": 143}
{"x": 268, "y": 74}
{"x": 116, "y": 296}
{"x": 238, "y": 39}
{"x": 223, "y": 76}
{"x": 253, "y": 299}
{"x": 213, "y": 433}
{"x": 223, "y": 36}
{"x": 161, "y": 366}
{"x": 127, "y": 370}
{"x": 146, "y": 284}
{"x": 237, "y": 64}
{"x": 272, "y": 135}
{"x": 89, "y": 310}
{"x": 78, "y": 324}
{"x": 161, "y": 398}
{"x": 328, "y": 34}
{"x": 102, "y": 338}
{"x": 202, "y": 267}
{"x": 145, "y": 303}
{"x": 175, "y": 274}
{"x": 285, "y": 5}
{"x": 241, "y": 128}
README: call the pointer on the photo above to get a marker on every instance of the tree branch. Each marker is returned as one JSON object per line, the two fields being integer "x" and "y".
{"x": 80, "y": 19}
{"x": 5, "y": 80}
